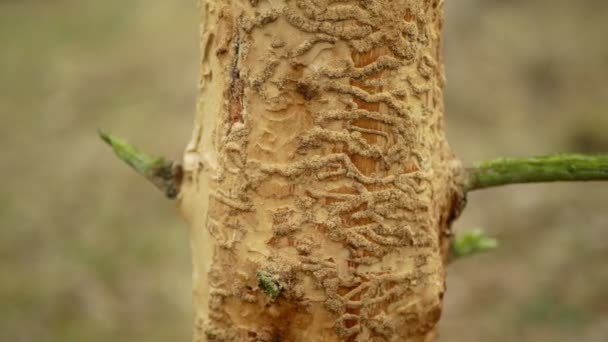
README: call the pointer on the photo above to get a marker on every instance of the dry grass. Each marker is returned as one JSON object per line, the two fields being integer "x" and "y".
{"x": 75, "y": 267}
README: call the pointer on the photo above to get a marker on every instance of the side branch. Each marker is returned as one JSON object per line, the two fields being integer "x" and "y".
{"x": 165, "y": 175}
{"x": 554, "y": 168}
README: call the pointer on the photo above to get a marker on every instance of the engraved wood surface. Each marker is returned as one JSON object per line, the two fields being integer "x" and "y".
{"x": 319, "y": 157}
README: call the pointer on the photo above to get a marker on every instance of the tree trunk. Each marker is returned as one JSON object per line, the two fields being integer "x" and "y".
{"x": 318, "y": 164}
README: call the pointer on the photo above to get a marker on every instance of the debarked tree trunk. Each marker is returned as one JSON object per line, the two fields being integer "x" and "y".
{"x": 318, "y": 163}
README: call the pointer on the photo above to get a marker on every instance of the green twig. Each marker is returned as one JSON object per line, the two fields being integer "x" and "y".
{"x": 471, "y": 243}
{"x": 269, "y": 285}
{"x": 555, "y": 168}
{"x": 164, "y": 174}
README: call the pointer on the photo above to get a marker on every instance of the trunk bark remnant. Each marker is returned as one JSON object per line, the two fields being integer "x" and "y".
{"x": 318, "y": 161}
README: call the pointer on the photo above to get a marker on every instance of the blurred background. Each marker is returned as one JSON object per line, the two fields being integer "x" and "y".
{"x": 90, "y": 252}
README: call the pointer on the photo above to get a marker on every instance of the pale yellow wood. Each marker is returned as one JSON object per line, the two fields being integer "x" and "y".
{"x": 319, "y": 157}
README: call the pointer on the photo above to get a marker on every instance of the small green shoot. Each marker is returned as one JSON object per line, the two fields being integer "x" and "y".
{"x": 471, "y": 243}
{"x": 269, "y": 285}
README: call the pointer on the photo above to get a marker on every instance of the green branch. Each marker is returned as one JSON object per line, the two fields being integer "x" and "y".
{"x": 164, "y": 174}
{"x": 555, "y": 168}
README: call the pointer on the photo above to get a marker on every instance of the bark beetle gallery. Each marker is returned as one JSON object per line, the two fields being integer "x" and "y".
{"x": 320, "y": 156}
